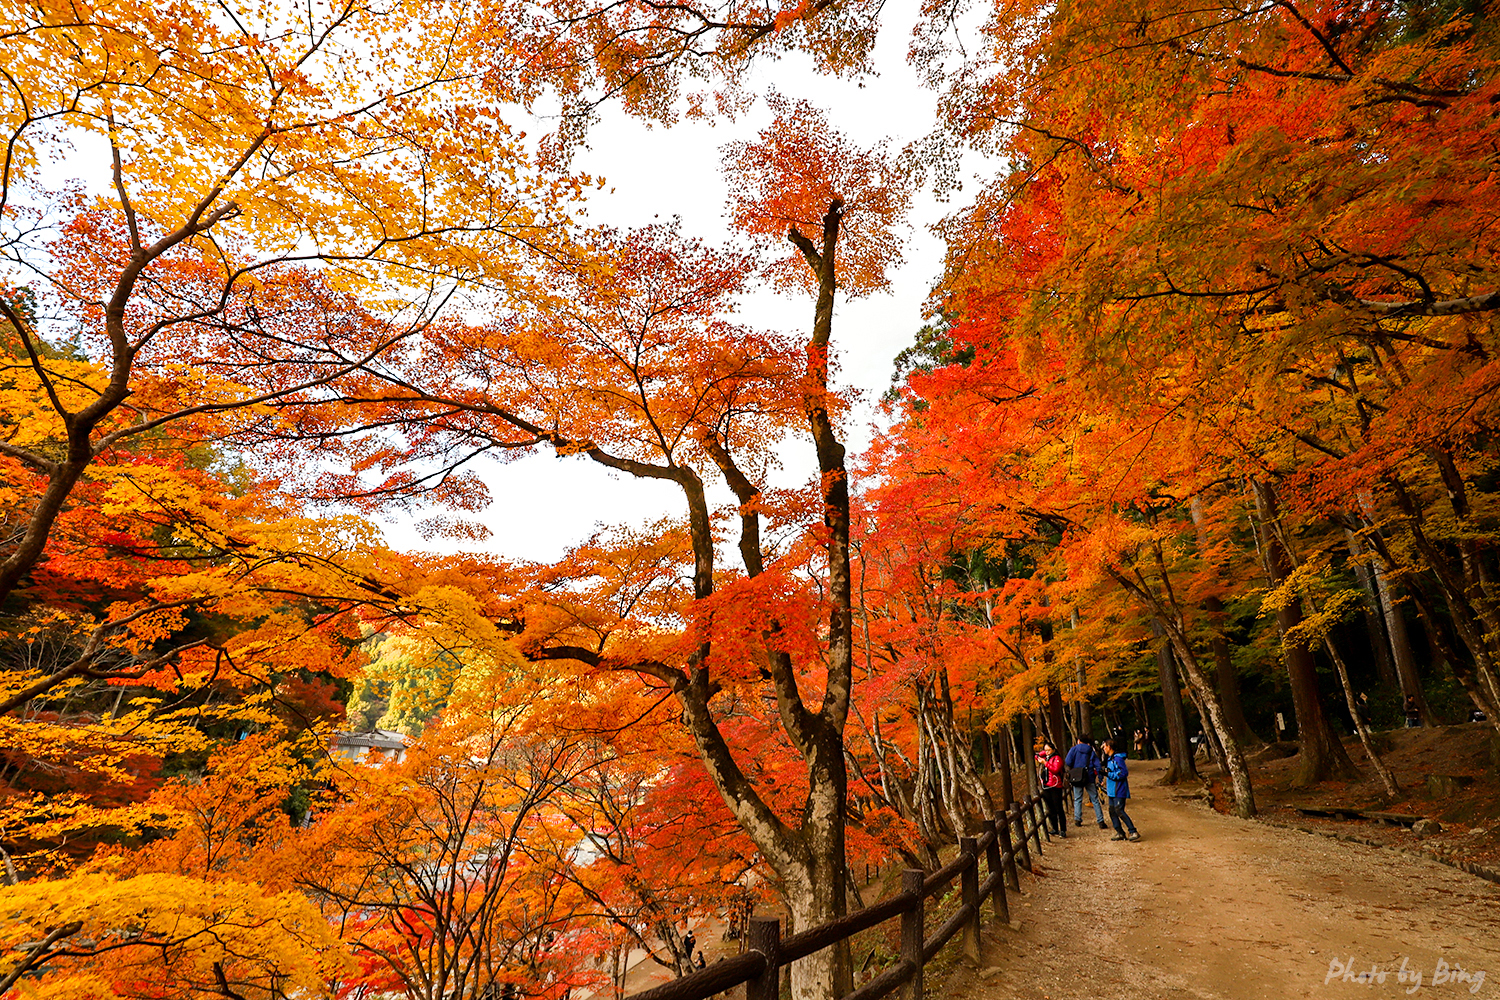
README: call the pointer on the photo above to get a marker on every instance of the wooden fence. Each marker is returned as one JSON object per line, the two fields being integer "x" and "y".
{"x": 768, "y": 952}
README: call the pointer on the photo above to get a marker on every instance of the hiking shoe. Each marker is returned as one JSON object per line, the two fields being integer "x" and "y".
{"x": 1103, "y": 825}
{"x": 1134, "y": 836}
{"x": 1118, "y": 836}
{"x": 1078, "y": 822}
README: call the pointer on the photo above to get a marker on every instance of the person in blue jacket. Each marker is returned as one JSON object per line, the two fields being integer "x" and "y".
{"x": 1118, "y": 790}
{"x": 1083, "y": 764}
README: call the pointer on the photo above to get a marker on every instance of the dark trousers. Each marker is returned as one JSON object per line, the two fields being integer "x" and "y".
{"x": 1117, "y": 815}
{"x": 1057, "y": 820}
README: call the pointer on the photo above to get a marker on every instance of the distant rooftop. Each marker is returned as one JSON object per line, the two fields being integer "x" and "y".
{"x": 377, "y": 739}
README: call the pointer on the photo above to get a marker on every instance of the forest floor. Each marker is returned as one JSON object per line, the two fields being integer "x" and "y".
{"x": 1445, "y": 773}
{"x": 1207, "y": 905}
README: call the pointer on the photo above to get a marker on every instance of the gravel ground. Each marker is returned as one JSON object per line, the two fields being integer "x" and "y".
{"x": 1211, "y": 906}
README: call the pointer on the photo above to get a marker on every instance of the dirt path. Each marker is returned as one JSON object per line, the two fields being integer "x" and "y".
{"x": 1210, "y": 906}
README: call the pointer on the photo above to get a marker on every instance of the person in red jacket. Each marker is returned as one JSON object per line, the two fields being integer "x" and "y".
{"x": 1050, "y": 775}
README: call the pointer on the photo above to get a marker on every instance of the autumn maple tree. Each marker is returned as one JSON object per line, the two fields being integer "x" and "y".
{"x": 1206, "y": 396}
{"x": 291, "y": 200}
{"x": 1224, "y": 254}
{"x": 603, "y": 370}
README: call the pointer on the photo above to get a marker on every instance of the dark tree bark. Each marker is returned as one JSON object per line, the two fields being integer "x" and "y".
{"x": 1179, "y": 750}
{"x": 1227, "y": 678}
{"x": 1400, "y": 637}
{"x": 1380, "y": 642}
{"x": 1056, "y": 725}
{"x": 1323, "y": 756}
{"x": 1028, "y": 751}
{"x": 1002, "y": 760}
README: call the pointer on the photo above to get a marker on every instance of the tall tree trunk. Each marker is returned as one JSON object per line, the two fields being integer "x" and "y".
{"x": 809, "y": 858}
{"x": 1231, "y": 754}
{"x": 1168, "y": 619}
{"x": 1002, "y": 759}
{"x": 945, "y": 766}
{"x": 1181, "y": 767}
{"x": 1228, "y": 679}
{"x": 928, "y": 823}
{"x": 961, "y": 752}
{"x": 1322, "y": 756}
{"x": 1475, "y": 617}
{"x": 1028, "y": 754}
{"x": 1056, "y": 723}
{"x": 1380, "y": 641}
{"x": 1392, "y": 790}
{"x": 1395, "y": 623}
{"x": 1085, "y": 724}
{"x": 1477, "y": 675}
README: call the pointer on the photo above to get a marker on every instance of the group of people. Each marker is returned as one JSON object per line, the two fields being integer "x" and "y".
{"x": 690, "y": 949}
{"x": 1084, "y": 769}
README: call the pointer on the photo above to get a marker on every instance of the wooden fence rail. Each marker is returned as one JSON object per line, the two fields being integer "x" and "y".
{"x": 768, "y": 952}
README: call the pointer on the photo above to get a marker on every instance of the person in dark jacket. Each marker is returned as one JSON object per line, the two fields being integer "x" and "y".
{"x": 1118, "y": 789}
{"x": 1082, "y": 766}
{"x": 1413, "y": 713}
{"x": 1051, "y": 777}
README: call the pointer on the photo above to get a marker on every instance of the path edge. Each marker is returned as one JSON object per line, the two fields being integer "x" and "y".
{"x": 1462, "y": 864}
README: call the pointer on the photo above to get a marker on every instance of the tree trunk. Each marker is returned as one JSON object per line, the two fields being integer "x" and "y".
{"x": 1056, "y": 721}
{"x": 1085, "y": 724}
{"x": 965, "y": 776}
{"x": 1002, "y": 759}
{"x": 1392, "y": 790}
{"x": 1380, "y": 642}
{"x": 1231, "y": 754}
{"x": 1228, "y": 680}
{"x": 1477, "y": 675}
{"x": 1395, "y": 623}
{"x": 1322, "y": 756}
{"x": 809, "y": 858}
{"x": 945, "y": 768}
{"x": 1028, "y": 754}
{"x": 1215, "y": 754}
{"x": 1181, "y": 767}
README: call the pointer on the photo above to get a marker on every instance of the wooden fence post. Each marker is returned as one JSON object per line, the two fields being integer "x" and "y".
{"x": 765, "y": 937}
{"x": 1007, "y": 848}
{"x": 969, "y": 888}
{"x": 1039, "y": 818}
{"x": 995, "y": 867}
{"x": 1021, "y": 835}
{"x": 911, "y": 932}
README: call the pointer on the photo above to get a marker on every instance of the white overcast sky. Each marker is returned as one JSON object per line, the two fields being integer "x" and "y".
{"x": 543, "y": 504}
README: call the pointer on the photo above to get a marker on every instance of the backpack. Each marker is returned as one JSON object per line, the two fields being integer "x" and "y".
{"x": 1081, "y": 775}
